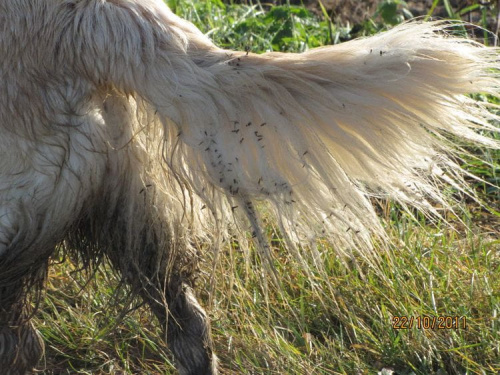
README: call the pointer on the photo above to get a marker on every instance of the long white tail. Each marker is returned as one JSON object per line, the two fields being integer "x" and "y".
{"x": 313, "y": 135}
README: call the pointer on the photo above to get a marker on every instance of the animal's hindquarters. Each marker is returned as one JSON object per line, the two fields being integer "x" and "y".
{"x": 141, "y": 230}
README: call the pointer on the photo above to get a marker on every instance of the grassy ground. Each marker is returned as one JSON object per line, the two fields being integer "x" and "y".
{"x": 445, "y": 282}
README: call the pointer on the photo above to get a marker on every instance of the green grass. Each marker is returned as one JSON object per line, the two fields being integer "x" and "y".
{"x": 341, "y": 323}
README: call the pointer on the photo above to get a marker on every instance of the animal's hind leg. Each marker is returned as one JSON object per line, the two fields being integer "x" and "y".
{"x": 138, "y": 233}
{"x": 188, "y": 330}
{"x": 20, "y": 345}
{"x": 160, "y": 273}
{"x": 171, "y": 298}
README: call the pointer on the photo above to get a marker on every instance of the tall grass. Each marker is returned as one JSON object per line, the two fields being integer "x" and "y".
{"x": 343, "y": 323}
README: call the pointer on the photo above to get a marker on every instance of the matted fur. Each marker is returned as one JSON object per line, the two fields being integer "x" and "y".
{"x": 125, "y": 133}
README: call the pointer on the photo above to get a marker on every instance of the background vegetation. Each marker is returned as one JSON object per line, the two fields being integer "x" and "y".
{"x": 339, "y": 324}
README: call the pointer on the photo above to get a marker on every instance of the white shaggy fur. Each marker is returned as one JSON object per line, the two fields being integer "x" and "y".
{"x": 117, "y": 117}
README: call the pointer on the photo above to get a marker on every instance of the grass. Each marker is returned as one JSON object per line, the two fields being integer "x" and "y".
{"x": 342, "y": 323}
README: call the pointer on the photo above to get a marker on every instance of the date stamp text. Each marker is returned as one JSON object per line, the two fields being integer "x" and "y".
{"x": 429, "y": 322}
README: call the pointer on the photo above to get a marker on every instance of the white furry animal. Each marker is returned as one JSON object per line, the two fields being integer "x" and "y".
{"x": 119, "y": 121}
